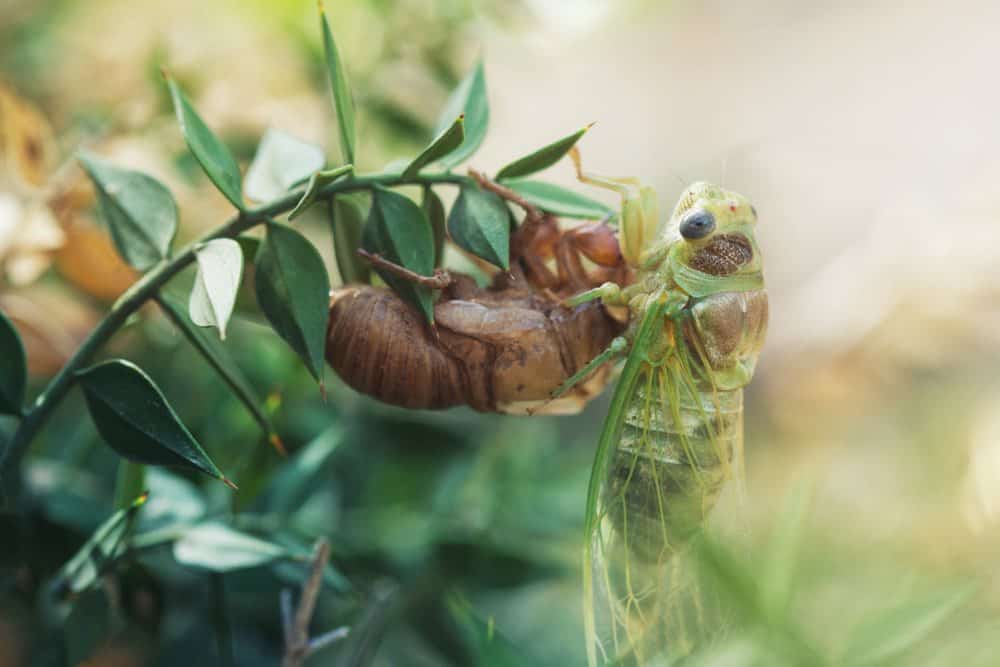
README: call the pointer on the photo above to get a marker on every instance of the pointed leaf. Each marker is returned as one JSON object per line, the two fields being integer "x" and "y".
{"x": 398, "y": 231}
{"x": 293, "y": 292}
{"x": 885, "y": 637}
{"x": 557, "y": 200}
{"x": 291, "y": 485}
{"x": 541, "y": 159}
{"x": 213, "y": 156}
{"x": 216, "y": 547}
{"x": 341, "y": 90}
{"x": 480, "y": 223}
{"x": 443, "y": 144}
{"x": 317, "y": 182}
{"x": 434, "y": 210}
{"x": 139, "y": 211}
{"x": 220, "y": 268}
{"x": 134, "y": 418}
{"x": 13, "y": 370}
{"x": 347, "y": 220}
{"x": 281, "y": 161}
{"x": 221, "y": 361}
{"x": 470, "y": 99}
{"x": 97, "y": 554}
{"x": 482, "y": 638}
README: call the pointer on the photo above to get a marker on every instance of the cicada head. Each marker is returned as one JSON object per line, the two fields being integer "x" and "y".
{"x": 713, "y": 247}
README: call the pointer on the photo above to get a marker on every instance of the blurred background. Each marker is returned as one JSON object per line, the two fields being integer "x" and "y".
{"x": 864, "y": 134}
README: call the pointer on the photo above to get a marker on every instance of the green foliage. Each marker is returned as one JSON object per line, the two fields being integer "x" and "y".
{"x": 220, "y": 269}
{"x": 347, "y": 222}
{"x": 221, "y": 361}
{"x": 884, "y": 638}
{"x": 317, "y": 182}
{"x": 398, "y": 231}
{"x": 213, "y": 156}
{"x": 343, "y": 102}
{"x": 135, "y": 420}
{"x": 470, "y": 103}
{"x": 281, "y": 162}
{"x": 14, "y": 371}
{"x": 97, "y": 554}
{"x": 292, "y": 290}
{"x": 480, "y": 223}
{"x": 541, "y": 159}
{"x": 557, "y": 200}
{"x": 216, "y": 547}
{"x": 443, "y": 144}
{"x": 434, "y": 211}
{"x": 140, "y": 212}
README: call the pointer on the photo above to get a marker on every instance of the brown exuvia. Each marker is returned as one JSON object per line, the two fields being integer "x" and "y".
{"x": 495, "y": 350}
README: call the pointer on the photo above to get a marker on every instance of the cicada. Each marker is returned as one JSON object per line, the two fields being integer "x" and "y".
{"x": 673, "y": 436}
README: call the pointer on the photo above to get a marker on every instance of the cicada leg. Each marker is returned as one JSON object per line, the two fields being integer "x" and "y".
{"x": 610, "y": 294}
{"x": 617, "y": 348}
{"x": 639, "y": 218}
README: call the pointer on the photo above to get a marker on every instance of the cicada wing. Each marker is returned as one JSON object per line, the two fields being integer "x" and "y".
{"x": 667, "y": 448}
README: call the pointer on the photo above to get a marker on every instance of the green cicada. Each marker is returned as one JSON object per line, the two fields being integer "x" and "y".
{"x": 673, "y": 436}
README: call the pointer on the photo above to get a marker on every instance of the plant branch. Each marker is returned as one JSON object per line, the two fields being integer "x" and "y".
{"x": 298, "y": 647}
{"x": 149, "y": 285}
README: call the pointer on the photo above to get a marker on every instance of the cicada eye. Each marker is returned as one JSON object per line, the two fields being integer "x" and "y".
{"x": 697, "y": 224}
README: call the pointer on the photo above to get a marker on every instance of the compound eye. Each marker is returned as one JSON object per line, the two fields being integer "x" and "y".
{"x": 697, "y": 224}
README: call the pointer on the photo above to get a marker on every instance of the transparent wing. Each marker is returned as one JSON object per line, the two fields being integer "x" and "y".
{"x": 669, "y": 444}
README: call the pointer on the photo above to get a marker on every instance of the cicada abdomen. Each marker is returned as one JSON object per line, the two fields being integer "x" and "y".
{"x": 683, "y": 428}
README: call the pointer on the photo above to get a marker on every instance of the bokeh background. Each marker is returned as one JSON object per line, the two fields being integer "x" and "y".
{"x": 866, "y": 136}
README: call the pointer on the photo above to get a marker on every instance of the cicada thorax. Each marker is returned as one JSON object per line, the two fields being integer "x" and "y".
{"x": 495, "y": 350}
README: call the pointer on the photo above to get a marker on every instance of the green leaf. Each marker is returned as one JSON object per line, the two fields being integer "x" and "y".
{"x": 293, "y": 290}
{"x": 398, "y": 231}
{"x": 220, "y": 269}
{"x": 291, "y": 485}
{"x": 316, "y": 183}
{"x": 341, "y": 90}
{"x": 216, "y": 547}
{"x": 208, "y": 150}
{"x": 443, "y": 144}
{"x": 778, "y": 569}
{"x": 134, "y": 418}
{"x": 280, "y": 163}
{"x": 541, "y": 159}
{"x": 468, "y": 99}
{"x": 139, "y": 211}
{"x": 221, "y": 361}
{"x": 97, "y": 555}
{"x": 434, "y": 210}
{"x": 480, "y": 223}
{"x": 482, "y": 638}
{"x": 886, "y": 637}
{"x": 347, "y": 220}
{"x": 13, "y": 370}
{"x": 557, "y": 200}
{"x": 88, "y": 626}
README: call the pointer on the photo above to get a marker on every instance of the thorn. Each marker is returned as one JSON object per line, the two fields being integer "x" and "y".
{"x": 277, "y": 443}
{"x": 229, "y": 483}
{"x": 164, "y": 73}
{"x": 589, "y": 125}
{"x": 141, "y": 500}
{"x": 322, "y": 390}
{"x": 319, "y": 5}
